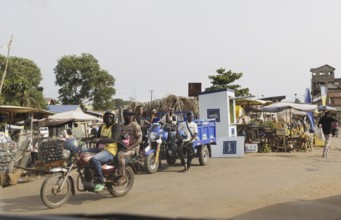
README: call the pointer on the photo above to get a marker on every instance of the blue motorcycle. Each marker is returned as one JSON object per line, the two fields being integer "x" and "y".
{"x": 160, "y": 146}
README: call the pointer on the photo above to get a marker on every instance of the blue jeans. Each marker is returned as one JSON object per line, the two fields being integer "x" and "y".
{"x": 100, "y": 157}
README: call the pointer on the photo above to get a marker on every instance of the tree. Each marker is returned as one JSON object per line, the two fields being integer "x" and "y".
{"x": 223, "y": 81}
{"x": 102, "y": 95}
{"x": 121, "y": 103}
{"x": 21, "y": 84}
{"x": 82, "y": 80}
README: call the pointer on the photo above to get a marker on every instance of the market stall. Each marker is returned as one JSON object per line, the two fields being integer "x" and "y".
{"x": 15, "y": 141}
{"x": 292, "y": 132}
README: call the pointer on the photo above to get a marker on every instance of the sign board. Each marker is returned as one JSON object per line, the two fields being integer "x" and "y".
{"x": 194, "y": 89}
{"x": 251, "y": 148}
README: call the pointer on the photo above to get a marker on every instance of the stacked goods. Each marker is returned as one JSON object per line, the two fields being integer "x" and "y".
{"x": 8, "y": 152}
{"x": 51, "y": 150}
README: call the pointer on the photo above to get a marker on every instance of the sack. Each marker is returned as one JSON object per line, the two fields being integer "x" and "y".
{"x": 319, "y": 133}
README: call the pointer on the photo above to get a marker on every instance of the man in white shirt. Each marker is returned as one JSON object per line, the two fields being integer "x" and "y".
{"x": 170, "y": 120}
{"x": 190, "y": 128}
{"x": 170, "y": 117}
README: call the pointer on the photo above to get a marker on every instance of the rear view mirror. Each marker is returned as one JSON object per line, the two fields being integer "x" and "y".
{"x": 93, "y": 132}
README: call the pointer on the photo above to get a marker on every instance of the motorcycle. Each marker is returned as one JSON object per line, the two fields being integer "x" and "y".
{"x": 159, "y": 147}
{"x": 56, "y": 189}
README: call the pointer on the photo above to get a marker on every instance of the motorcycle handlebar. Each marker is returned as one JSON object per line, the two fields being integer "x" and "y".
{"x": 101, "y": 140}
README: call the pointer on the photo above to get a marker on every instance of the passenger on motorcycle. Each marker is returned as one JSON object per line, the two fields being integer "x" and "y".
{"x": 141, "y": 119}
{"x": 171, "y": 120}
{"x": 131, "y": 129}
{"x": 106, "y": 150}
{"x": 190, "y": 128}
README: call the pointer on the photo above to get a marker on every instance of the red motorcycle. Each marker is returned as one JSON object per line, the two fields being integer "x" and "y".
{"x": 57, "y": 188}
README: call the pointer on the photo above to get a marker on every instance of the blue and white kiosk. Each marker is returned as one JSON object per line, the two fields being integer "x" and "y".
{"x": 220, "y": 105}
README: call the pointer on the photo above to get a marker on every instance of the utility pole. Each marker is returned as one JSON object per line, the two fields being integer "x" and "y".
{"x": 151, "y": 95}
{"x": 5, "y": 71}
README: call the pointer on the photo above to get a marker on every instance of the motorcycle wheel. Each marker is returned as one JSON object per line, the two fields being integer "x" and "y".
{"x": 51, "y": 194}
{"x": 149, "y": 164}
{"x": 121, "y": 190}
{"x": 203, "y": 155}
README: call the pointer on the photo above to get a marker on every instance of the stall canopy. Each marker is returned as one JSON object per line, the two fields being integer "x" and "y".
{"x": 20, "y": 109}
{"x": 13, "y": 114}
{"x": 250, "y": 101}
{"x": 280, "y": 106}
{"x": 65, "y": 117}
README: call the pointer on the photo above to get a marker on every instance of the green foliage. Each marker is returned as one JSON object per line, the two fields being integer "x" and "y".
{"x": 82, "y": 80}
{"x": 21, "y": 84}
{"x": 223, "y": 81}
{"x": 119, "y": 103}
{"x": 103, "y": 92}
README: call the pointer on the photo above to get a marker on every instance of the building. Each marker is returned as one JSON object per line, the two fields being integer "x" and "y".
{"x": 325, "y": 76}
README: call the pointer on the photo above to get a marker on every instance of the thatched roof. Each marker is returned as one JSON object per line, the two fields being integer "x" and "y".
{"x": 180, "y": 104}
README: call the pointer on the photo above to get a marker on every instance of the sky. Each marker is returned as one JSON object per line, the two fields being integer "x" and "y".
{"x": 154, "y": 48}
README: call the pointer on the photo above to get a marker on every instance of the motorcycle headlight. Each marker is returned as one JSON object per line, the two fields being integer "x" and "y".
{"x": 153, "y": 135}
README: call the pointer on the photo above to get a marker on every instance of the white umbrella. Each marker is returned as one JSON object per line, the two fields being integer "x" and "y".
{"x": 64, "y": 117}
{"x": 280, "y": 106}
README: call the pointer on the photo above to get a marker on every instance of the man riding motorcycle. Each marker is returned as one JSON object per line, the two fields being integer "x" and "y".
{"x": 106, "y": 150}
{"x": 171, "y": 119}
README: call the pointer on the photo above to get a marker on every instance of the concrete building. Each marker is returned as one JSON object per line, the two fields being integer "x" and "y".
{"x": 325, "y": 76}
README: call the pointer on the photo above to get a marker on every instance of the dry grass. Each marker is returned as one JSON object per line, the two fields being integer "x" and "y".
{"x": 181, "y": 104}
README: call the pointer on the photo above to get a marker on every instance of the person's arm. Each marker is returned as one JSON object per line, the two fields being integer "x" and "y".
{"x": 174, "y": 120}
{"x": 115, "y": 135}
{"x": 163, "y": 120}
{"x": 147, "y": 122}
{"x": 137, "y": 143}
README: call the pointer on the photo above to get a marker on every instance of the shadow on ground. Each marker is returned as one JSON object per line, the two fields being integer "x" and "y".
{"x": 327, "y": 208}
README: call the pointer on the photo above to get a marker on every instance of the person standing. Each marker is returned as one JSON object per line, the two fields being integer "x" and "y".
{"x": 190, "y": 128}
{"x": 326, "y": 123}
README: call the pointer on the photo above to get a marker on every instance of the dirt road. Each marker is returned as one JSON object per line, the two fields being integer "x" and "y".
{"x": 298, "y": 185}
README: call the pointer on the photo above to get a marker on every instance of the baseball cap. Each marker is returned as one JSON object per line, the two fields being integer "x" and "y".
{"x": 190, "y": 113}
{"x": 128, "y": 112}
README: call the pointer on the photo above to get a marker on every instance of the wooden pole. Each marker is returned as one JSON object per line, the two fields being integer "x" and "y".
{"x": 6, "y": 65}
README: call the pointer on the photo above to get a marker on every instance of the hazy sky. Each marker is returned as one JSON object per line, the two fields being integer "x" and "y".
{"x": 162, "y": 45}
